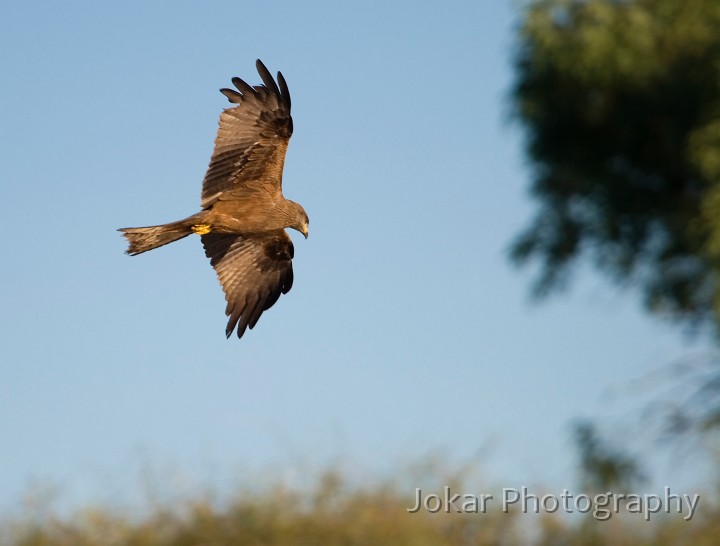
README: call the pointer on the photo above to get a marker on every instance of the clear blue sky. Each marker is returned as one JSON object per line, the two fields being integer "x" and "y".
{"x": 406, "y": 332}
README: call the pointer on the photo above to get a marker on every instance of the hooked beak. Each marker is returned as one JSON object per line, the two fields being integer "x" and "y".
{"x": 305, "y": 231}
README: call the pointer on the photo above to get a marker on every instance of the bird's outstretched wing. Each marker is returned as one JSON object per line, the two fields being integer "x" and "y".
{"x": 252, "y": 139}
{"x": 253, "y": 271}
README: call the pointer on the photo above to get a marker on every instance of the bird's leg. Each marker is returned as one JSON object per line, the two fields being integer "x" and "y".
{"x": 201, "y": 229}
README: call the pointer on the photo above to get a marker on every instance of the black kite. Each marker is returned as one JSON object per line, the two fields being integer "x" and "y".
{"x": 244, "y": 214}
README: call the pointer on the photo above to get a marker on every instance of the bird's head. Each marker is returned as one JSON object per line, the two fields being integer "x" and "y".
{"x": 300, "y": 221}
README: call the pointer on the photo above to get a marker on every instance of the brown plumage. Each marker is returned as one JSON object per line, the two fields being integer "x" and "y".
{"x": 244, "y": 214}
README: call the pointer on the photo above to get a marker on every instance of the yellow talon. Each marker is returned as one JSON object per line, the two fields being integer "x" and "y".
{"x": 201, "y": 229}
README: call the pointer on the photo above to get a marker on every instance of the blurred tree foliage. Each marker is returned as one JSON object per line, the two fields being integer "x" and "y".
{"x": 621, "y": 103}
{"x": 602, "y": 466}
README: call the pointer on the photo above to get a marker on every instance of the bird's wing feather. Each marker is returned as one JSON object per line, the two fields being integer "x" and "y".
{"x": 253, "y": 271}
{"x": 252, "y": 139}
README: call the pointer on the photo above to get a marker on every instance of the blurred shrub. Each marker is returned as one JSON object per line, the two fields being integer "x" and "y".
{"x": 332, "y": 512}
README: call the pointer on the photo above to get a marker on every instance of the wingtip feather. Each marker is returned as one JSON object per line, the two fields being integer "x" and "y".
{"x": 242, "y": 86}
{"x": 267, "y": 78}
{"x": 231, "y": 95}
{"x": 284, "y": 91}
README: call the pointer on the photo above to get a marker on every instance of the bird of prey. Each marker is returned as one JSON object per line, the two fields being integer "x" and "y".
{"x": 244, "y": 214}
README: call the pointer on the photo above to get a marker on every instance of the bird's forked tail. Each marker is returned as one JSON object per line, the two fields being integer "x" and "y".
{"x": 142, "y": 239}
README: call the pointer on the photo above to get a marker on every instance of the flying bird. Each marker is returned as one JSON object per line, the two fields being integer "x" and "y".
{"x": 244, "y": 214}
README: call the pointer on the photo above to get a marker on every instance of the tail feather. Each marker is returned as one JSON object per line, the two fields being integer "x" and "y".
{"x": 142, "y": 239}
